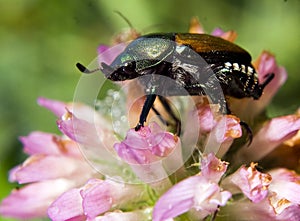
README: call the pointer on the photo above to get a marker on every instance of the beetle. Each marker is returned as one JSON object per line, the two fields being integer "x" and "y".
{"x": 196, "y": 62}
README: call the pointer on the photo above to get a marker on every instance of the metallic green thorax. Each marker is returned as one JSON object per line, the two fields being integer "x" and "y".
{"x": 146, "y": 52}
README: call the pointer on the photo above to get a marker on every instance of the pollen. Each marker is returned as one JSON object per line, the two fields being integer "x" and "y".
{"x": 67, "y": 116}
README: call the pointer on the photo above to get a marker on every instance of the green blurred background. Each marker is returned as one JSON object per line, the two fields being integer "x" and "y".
{"x": 40, "y": 42}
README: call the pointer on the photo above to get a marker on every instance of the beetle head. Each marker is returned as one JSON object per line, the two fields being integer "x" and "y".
{"x": 141, "y": 54}
{"x": 120, "y": 73}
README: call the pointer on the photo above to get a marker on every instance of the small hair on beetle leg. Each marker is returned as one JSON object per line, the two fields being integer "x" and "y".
{"x": 85, "y": 70}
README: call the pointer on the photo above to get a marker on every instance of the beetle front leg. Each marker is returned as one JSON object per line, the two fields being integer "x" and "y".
{"x": 145, "y": 111}
{"x": 168, "y": 108}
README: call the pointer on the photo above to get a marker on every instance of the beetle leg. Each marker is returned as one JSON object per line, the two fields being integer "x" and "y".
{"x": 145, "y": 111}
{"x": 248, "y": 130}
{"x": 160, "y": 116}
{"x": 269, "y": 78}
{"x": 227, "y": 108}
{"x": 243, "y": 125}
{"x": 168, "y": 108}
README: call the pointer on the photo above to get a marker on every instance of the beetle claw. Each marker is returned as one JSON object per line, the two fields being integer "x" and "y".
{"x": 138, "y": 126}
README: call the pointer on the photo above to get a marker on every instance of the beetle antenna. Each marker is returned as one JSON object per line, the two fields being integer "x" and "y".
{"x": 125, "y": 19}
{"x": 85, "y": 70}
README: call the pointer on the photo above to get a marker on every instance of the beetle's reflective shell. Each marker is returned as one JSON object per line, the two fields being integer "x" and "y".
{"x": 196, "y": 62}
{"x": 146, "y": 51}
{"x": 154, "y": 52}
{"x": 214, "y": 49}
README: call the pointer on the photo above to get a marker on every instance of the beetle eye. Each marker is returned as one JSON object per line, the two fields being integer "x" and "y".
{"x": 128, "y": 67}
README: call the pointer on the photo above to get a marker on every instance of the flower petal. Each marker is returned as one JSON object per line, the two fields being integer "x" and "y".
{"x": 43, "y": 167}
{"x": 138, "y": 139}
{"x": 57, "y": 107}
{"x": 292, "y": 213}
{"x": 78, "y": 130}
{"x": 67, "y": 207}
{"x": 146, "y": 145}
{"x": 195, "y": 26}
{"x": 207, "y": 118}
{"x": 134, "y": 156}
{"x": 266, "y": 65}
{"x": 95, "y": 142}
{"x": 208, "y": 198}
{"x": 49, "y": 144}
{"x": 85, "y": 132}
{"x": 227, "y": 128}
{"x": 213, "y": 168}
{"x": 107, "y": 54}
{"x": 100, "y": 196}
{"x": 229, "y": 35}
{"x": 136, "y": 215}
{"x": 253, "y": 183}
{"x": 32, "y": 201}
{"x": 285, "y": 188}
{"x": 195, "y": 192}
{"x": 40, "y": 143}
{"x": 269, "y": 137}
{"x": 145, "y": 164}
{"x": 177, "y": 200}
{"x": 222, "y": 135}
{"x": 247, "y": 210}
{"x": 97, "y": 198}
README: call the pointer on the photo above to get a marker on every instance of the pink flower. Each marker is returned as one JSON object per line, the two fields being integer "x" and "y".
{"x": 213, "y": 168}
{"x": 96, "y": 171}
{"x": 196, "y": 27}
{"x": 96, "y": 197}
{"x": 43, "y": 174}
{"x": 150, "y": 152}
{"x": 270, "y": 136}
{"x": 284, "y": 191}
{"x": 217, "y": 132}
{"x": 200, "y": 193}
{"x": 137, "y": 215}
{"x": 107, "y": 54}
{"x": 281, "y": 202}
{"x": 33, "y": 200}
{"x": 253, "y": 183}
{"x": 146, "y": 145}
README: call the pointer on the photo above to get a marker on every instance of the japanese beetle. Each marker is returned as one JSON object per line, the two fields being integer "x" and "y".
{"x": 192, "y": 61}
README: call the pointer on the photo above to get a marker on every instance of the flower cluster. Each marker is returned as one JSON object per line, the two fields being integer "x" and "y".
{"x": 89, "y": 173}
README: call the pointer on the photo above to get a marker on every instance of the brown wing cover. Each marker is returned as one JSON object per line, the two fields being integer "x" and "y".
{"x": 214, "y": 49}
